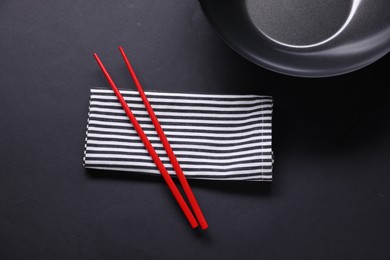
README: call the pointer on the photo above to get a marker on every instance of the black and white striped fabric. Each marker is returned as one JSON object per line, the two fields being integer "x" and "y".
{"x": 219, "y": 137}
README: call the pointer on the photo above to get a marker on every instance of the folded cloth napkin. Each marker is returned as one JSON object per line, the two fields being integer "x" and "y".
{"x": 219, "y": 137}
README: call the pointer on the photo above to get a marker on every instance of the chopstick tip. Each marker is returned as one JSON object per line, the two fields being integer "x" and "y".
{"x": 204, "y": 227}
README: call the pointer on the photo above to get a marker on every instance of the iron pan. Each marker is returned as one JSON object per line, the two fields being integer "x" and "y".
{"x": 306, "y": 38}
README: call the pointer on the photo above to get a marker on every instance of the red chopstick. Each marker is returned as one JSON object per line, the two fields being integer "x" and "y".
{"x": 183, "y": 205}
{"x": 176, "y": 166}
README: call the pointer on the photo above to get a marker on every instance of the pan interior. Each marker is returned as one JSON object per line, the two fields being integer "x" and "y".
{"x": 299, "y": 23}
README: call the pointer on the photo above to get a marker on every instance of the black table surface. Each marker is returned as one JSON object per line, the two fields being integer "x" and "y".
{"x": 330, "y": 198}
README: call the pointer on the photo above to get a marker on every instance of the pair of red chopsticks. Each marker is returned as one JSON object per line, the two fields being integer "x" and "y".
{"x": 176, "y": 166}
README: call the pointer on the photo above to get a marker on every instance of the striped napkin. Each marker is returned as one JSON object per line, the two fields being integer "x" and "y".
{"x": 218, "y": 137}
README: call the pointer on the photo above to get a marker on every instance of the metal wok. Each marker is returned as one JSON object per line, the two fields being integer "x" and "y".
{"x": 307, "y": 38}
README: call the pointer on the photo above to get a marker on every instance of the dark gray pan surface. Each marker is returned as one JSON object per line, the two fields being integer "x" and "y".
{"x": 308, "y": 38}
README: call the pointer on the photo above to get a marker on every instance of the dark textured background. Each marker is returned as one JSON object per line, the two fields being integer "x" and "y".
{"x": 331, "y": 192}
